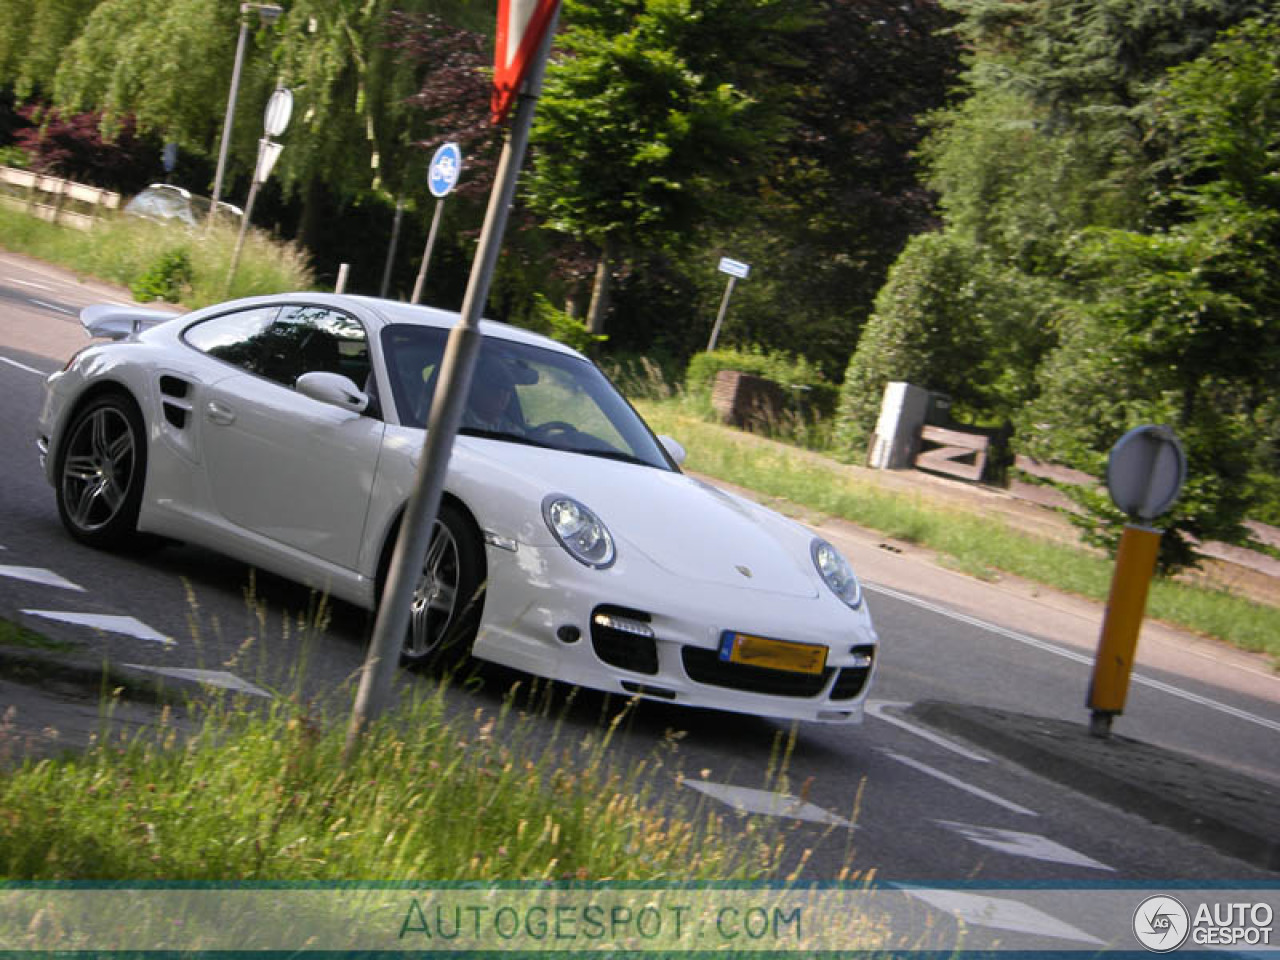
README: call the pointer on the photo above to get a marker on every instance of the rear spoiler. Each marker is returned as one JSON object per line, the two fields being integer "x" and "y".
{"x": 117, "y": 322}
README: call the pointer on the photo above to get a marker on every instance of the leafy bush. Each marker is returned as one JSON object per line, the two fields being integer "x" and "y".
{"x": 166, "y": 279}
{"x": 951, "y": 321}
{"x": 812, "y": 395}
{"x": 558, "y": 325}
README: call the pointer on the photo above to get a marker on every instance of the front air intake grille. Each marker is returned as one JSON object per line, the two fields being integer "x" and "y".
{"x": 623, "y": 647}
{"x": 851, "y": 680}
{"x": 705, "y": 666}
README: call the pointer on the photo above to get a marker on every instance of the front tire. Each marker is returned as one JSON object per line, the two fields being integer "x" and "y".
{"x": 448, "y": 599}
{"x": 101, "y": 471}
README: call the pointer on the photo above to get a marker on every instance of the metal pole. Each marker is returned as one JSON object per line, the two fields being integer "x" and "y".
{"x": 229, "y": 118}
{"x": 391, "y": 248}
{"x": 426, "y": 253}
{"x": 724, "y": 307}
{"x": 244, "y": 226}
{"x": 376, "y": 681}
{"x": 344, "y": 269}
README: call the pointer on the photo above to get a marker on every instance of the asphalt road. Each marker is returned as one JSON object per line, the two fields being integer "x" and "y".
{"x": 889, "y": 796}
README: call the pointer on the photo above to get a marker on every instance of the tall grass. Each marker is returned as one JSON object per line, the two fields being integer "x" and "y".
{"x": 123, "y": 249}
{"x": 264, "y": 796}
{"x": 972, "y": 541}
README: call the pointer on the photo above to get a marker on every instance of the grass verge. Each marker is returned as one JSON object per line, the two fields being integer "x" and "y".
{"x": 124, "y": 250}
{"x": 968, "y": 541}
{"x": 427, "y": 797}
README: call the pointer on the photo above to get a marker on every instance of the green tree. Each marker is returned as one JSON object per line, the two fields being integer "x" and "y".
{"x": 651, "y": 120}
{"x": 1182, "y": 325}
{"x": 35, "y": 39}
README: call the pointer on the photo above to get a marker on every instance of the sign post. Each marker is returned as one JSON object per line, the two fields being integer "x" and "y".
{"x": 737, "y": 270}
{"x": 1145, "y": 474}
{"x": 274, "y": 122}
{"x": 442, "y": 177}
{"x": 463, "y": 348}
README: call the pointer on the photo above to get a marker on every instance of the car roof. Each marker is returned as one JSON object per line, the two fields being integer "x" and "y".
{"x": 384, "y": 313}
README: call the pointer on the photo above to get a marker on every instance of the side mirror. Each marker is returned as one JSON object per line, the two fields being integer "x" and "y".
{"x": 674, "y": 449}
{"x": 332, "y": 388}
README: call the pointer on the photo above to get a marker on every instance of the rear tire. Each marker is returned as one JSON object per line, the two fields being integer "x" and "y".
{"x": 101, "y": 472}
{"x": 448, "y": 598}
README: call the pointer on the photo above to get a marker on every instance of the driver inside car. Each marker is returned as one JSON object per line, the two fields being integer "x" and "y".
{"x": 491, "y": 404}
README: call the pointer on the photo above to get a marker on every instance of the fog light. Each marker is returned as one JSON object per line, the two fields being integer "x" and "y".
{"x": 568, "y": 634}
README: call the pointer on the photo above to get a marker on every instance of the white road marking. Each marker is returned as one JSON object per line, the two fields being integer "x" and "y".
{"x": 213, "y": 678}
{"x": 999, "y": 913}
{"x": 960, "y": 784}
{"x": 23, "y": 366}
{"x": 29, "y": 283}
{"x": 877, "y": 709}
{"x": 41, "y": 576}
{"x": 1020, "y": 844}
{"x": 767, "y": 802}
{"x": 53, "y": 306}
{"x": 109, "y": 623}
{"x": 1079, "y": 658}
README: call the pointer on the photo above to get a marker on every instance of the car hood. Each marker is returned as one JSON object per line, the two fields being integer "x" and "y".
{"x": 692, "y": 530}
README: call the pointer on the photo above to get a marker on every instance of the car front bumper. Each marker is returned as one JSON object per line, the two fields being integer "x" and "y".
{"x": 641, "y": 633}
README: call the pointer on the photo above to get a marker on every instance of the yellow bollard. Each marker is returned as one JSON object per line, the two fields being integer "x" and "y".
{"x": 1135, "y": 564}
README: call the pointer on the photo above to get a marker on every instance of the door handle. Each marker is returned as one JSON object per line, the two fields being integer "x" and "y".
{"x": 219, "y": 414}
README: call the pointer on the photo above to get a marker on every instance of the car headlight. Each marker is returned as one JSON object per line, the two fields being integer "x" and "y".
{"x": 579, "y": 531}
{"x": 836, "y": 573}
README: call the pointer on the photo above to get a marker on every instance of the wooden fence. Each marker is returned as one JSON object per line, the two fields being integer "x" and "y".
{"x": 54, "y": 199}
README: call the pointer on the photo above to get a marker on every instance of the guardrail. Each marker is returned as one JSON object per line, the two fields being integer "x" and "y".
{"x": 54, "y": 199}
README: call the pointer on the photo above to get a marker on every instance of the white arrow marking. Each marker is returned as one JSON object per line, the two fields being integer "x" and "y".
{"x": 41, "y": 576}
{"x": 1001, "y": 914}
{"x": 212, "y": 678}
{"x": 1023, "y": 845}
{"x": 109, "y": 623}
{"x": 767, "y": 802}
{"x": 960, "y": 784}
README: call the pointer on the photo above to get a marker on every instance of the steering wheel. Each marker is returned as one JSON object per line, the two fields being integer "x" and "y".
{"x": 552, "y": 428}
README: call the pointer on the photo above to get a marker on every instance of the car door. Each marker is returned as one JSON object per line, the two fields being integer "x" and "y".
{"x": 289, "y": 468}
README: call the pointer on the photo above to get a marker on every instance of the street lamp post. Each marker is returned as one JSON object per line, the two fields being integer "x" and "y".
{"x": 267, "y": 13}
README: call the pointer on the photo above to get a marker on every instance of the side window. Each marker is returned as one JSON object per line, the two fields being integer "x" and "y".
{"x": 235, "y": 338}
{"x": 282, "y": 343}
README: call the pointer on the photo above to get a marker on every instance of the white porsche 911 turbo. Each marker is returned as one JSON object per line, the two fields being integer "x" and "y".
{"x": 285, "y": 431}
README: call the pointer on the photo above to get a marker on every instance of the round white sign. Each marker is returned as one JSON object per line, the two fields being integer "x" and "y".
{"x": 1145, "y": 471}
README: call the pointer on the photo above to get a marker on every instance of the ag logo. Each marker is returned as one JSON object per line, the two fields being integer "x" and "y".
{"x": 1161, "y": 924}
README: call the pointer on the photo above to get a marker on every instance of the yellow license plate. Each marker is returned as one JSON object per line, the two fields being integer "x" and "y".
{"x": 772, "y": 654}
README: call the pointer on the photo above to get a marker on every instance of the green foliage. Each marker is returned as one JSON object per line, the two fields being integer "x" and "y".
{"x": 168, "y": 278}
{"x": 1179, "y": 324}
{"x": 560, "y": 326}
{"x": 811, "y": 393}
{"x": 123, "y": 250}
{"x": 264, "y": 795}
{"x": 951, "y": 321}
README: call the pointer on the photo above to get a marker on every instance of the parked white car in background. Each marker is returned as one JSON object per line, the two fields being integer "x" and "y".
{"x": 165, "y": 203}
{"x": 286, "y": 430}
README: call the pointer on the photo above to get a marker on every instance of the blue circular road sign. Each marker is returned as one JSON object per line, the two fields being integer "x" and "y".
{"x": 446, "y": 166}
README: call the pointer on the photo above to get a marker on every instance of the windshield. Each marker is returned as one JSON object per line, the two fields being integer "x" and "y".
{"x": 522, "y": 394}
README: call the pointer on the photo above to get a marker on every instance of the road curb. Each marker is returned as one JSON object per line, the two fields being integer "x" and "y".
{"x": 1233, "y": 813}
{"x": 42, "y": 670}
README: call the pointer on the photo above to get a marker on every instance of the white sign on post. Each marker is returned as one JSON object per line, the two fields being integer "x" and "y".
{"x": 734, "y": 268}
